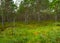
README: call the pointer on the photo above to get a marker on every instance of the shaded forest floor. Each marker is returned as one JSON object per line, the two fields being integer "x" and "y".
{"x": 31, "y": 33}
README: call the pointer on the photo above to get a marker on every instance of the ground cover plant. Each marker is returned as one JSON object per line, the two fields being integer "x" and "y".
{"x": 31, "y": 33}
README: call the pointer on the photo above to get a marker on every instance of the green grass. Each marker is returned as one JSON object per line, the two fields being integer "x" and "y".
{"x": 31, "y": 33}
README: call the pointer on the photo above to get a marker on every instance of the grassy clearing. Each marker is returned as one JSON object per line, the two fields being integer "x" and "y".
{"x": 31, "y": 33}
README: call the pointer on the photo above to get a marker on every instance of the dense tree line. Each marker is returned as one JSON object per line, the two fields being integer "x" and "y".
{"x": 7, "y": 11}
{"x": 29, "y": 10}
{"x": 39, "y": 10}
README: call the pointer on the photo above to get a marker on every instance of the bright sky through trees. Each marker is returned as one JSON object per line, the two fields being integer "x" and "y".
{"x": 50, "y": 0}
{"x": 17, "y": 2}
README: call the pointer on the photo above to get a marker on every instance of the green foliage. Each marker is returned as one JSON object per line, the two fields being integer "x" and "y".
{"x": 31, "y": 33}
{"x": 54, "y": 4}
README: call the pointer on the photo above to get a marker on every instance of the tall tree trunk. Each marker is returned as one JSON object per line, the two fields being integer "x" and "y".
{"x": 14, "y": 20}
{"x": 26, "y": 18}
{"x": 38, "y": 17}
{"x": 2, "y": 22}
{"x": 55, "y": 18}
{"x": 2, "y": 13}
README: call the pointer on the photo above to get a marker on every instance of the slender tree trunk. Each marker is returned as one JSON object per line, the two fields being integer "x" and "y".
{"x": 2, "y": 14}
{"x": 26, "y": 18}
{"x": 2, "y": 22}
{"x": 55, "y": 19}
{"x": 14, "y": 22}
{"x": 38, "y": 17}
{"x": 38, "y": 14}
{"x": 7, "y": 18}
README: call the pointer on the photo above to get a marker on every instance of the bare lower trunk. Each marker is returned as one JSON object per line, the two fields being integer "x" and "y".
{"x": 2, "y": 22}
{"x": 55, "y": 19}
{"x": 14, "y": 22}
{"x": 8, "y": 18}
{"x": 38, "y": 17}
{"x": 26, "y": 18}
